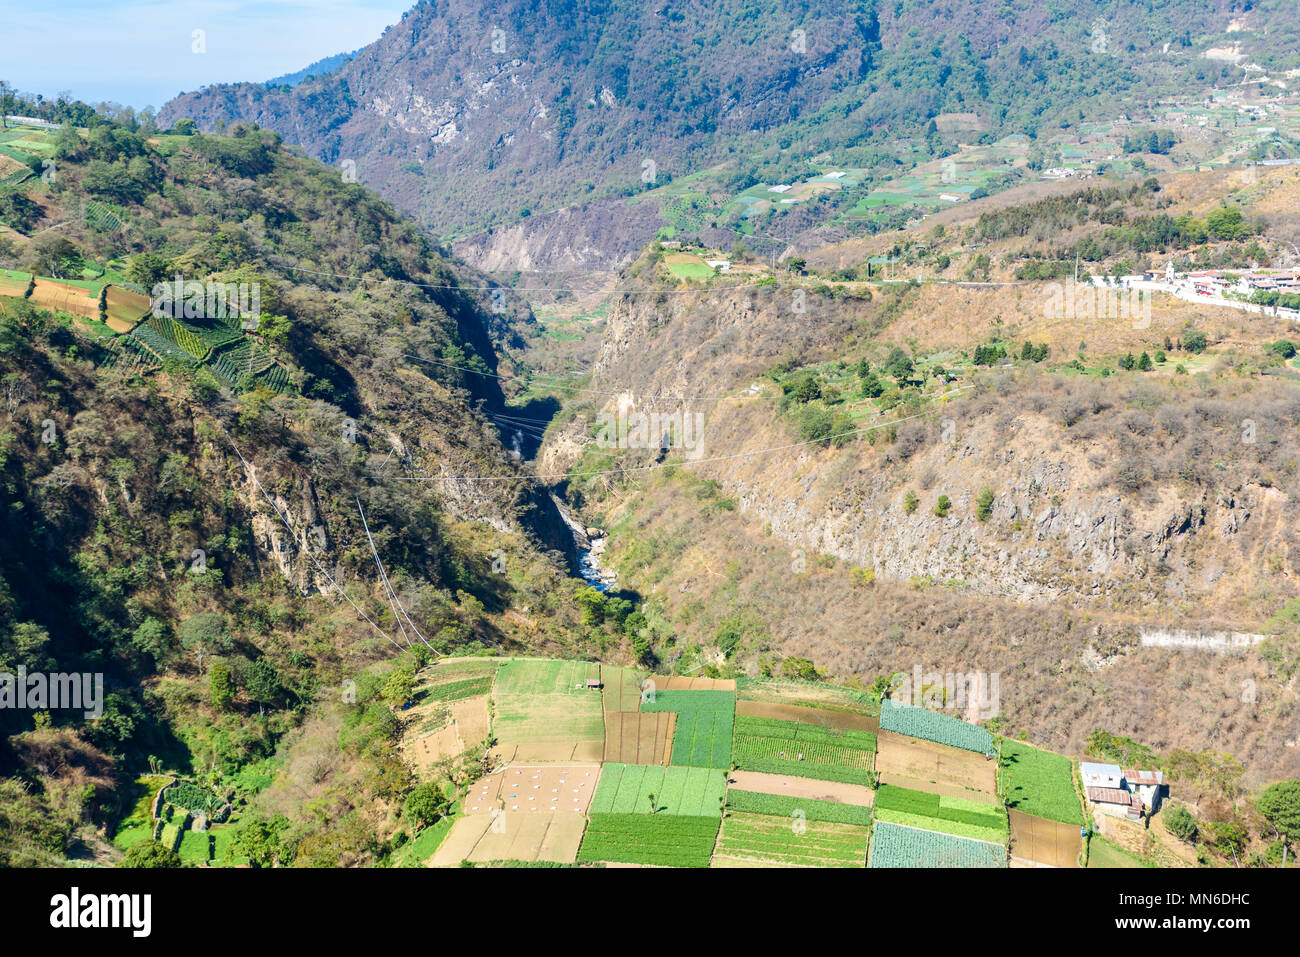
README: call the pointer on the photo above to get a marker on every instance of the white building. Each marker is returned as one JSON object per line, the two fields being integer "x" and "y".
{"x": 1121, "y": 792}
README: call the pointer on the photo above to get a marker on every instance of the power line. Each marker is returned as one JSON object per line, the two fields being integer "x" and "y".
{"x": 319, "y": 567}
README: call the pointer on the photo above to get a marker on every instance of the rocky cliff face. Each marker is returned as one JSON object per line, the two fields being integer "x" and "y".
{"x": 1142, "y": 500}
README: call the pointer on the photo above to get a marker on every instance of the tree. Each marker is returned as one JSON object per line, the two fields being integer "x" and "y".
{"x": 221, "y": 685}
{"x": 1284, "y": 348}
{"x": 149, "y": 269}
{"x": 942, "y": 505}
{"x": 651, "y": 796}
{"x": 205, "y": 634}
{"x": 1280, "y": 805}
{"x": 399, "y": 687}
{"x": 897, "y": 364}
{"x": 425, "y": 804}
{"x": 259, "y": 841}
{"x": 1194, "y": 340}
{"x": 1228, "y": 837}
{"x": 806, "y": 389}
{"x": 1144, "y": 363}
{"x": 984, "y": 504}
{"x": 592, "y": 604}
{"x": 151, "y": 637}
{"x": 872, "y": 387}
{"x": 910, "y": 502}
{"x": 1180, "y": 823}
{"x": 53, "y": 255}
{"x": 150, "y": 854}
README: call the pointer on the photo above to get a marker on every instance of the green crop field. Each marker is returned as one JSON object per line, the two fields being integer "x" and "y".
{"x": 665, "y": 840}
{"x": 828, "y": 754}
{"x": 934, "y": 812}
{"x": 455, "y": 690}
{"x": 1039, "y": 783}
{"x": 893, "y": 845}
{"x": 544, "y": 677}
{"x": 781, "y": 805}
{"x": 416, "y": 853}
{"x": 686, "y": 701}
{"x": 702, "y": 737}
{"x": 545, "y": 701}
{"x": 626, "y": 789}
{"x": 761, "y": 838}
{"x": 932, "y": 726}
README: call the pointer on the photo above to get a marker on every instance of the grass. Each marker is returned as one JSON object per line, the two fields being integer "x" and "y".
{"x": 626, "y": 789}
{"x": 828, "y": 754}
{"x": 537, "y": 701}
{"x": 1039, "y": 783}
{"x": 782, "y": 805}
{"x": 194, "y": 846}
{"x": 417, "y": 852}
{"x": 662, "y": 840}
{"x": 1102, "y": 853}
{"x": 766, "y": 839}
{"x": 948, "y": 815}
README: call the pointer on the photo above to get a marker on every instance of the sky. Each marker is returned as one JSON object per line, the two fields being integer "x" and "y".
{"x": 144, "y": 52}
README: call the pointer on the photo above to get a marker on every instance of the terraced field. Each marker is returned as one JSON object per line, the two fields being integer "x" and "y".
{"x": 790, "y": 747}
{"x": 761, "y": 839}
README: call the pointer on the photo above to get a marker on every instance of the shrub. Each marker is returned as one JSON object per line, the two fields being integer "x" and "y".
{"x": 984, "y": 504}
{"x": 942, "y": 506}
{"x": 910, "y": 502}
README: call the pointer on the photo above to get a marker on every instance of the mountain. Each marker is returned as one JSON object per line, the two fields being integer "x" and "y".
{"x": 195, "y": 486}
{"x": 471, "y": 115}
{"x": 321, "y": 67}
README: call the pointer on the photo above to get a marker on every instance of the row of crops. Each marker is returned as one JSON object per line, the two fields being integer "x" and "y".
{"x": 226, "y": 352}
{"x": 672, "y": 790}
{"x": 664, "y": 840}
{"x": 895, "y": 845}
{"x": 932, "y": 726}
{"x": 949, "y": 815}
{"x": 792, "y": 747}
{"x": 784, "y": 806}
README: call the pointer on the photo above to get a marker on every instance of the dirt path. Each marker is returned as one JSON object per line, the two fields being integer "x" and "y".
{"x": 763, "y": 783}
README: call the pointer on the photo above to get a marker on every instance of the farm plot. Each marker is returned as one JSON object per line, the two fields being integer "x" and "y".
{"x": 544, "y": 712}
{"x": 806, "y": 750}
{"x": 688, "y": 683}
{"x": 747, "y": 839}
{"x": 549, "y": 788}
{"x": 687, "y": 266}
{"x": 806, "y": 694}
{"x": 1044, "y": 842}
{"x": 790, "y": 808}
{"x": 818, "y": 716}
{"x": 783, "y": 784}
{"x": 935, "y": 812}
{"x": 664, "y": 840}
{"x": 702, "y": 733}
{"x": 635, "y": 738}
{"x": 932, "y": 726}
{"x": 895, "y": 845}
{"x": 1039, "y": 783}
{"x": 512, "y": 837}
{"x": 621, "y": 688}
{"x": 626, "y": 789}
{"x": 14, "y": 283}
{"x": 125, "y": 308}
{"x": 926, "y": 766}
{"x": 65, "y": 297}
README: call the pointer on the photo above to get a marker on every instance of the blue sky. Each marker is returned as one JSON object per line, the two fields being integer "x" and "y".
{"x": 140, "y": 52}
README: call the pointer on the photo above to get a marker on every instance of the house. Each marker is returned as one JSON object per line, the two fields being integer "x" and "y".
{"x": 1121, "y": 792}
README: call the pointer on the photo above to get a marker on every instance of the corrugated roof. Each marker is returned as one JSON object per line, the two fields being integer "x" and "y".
{"x": 1144, "y": 777}
{"x": 1114, "y": 796}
